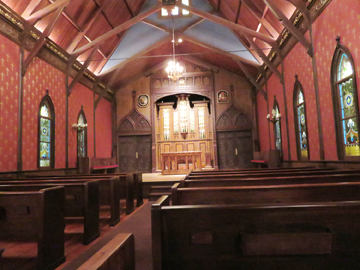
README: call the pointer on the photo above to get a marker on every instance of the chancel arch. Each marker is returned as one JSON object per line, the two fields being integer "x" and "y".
{"x": 46, "y": 137}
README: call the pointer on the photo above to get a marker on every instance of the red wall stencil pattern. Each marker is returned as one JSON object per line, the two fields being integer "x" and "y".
{"x": 103, "y": 129}
{"x": 9, "y": 99}
{"x": 39, "y": 77}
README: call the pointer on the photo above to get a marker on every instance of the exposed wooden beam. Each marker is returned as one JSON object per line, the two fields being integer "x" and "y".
{"x": 219, "y": 51}
{"x": 118, "y": 29}
{"x": 262, "y": 20}
{"x": 164, "y": 40}
{"x": 30, "y": 8}
{"x": 301, "y": 5}
{"x": 266, "y": 60}
{"x": 157, "y": 26}
{"x": 251, "y": 79}
{"x": 82, "y": 33}
{"x": 218, "y": 5}
{"x": 289, "y": 26}
{"x": 82, "y": 69}
{"x": 41, "y": 41}
{"x": 199, "y": 62}
{"x": 238, "y": 12}
{"x": 108, "y": 85}
{"x": 128, "y": 8}
{"x": 228, "y": 24}
{"x": 47, "y": 10}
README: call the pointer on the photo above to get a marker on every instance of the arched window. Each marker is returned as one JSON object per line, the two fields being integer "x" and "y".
{"x": 300, "y": 122}
{"x": 277, "y": 126}
{"x": 46, "y": 145}
{"x": 81, "y": 134}
{"x": 346, "y": 111}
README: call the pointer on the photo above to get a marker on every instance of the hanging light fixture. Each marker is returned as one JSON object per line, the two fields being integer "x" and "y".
{"x": 174, "y": 70}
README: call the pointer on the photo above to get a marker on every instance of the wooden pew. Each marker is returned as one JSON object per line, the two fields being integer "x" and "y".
{"x": 130, "y": 186}
{"x": 307, "y": 236}
{"x": 266, "y": 194}
{"x": 1, "y": 252}
{"x": 88, "y": 165}
{"x": 283, "y": 180}
{"x": 118, "y": 254}
{"x": 250, "y": 170}
{"x": 81, "y": 200}
{"x": 272, "y": 174}
{"x": 35, "y": 213}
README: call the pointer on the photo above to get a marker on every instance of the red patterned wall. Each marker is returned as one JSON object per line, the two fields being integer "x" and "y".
{"x": 103, "y": 129}
{"x": 9, "y": 98}
{"x": 80, "y": 96}
{"x": 339, "y": 18}
{"x": 39, "y": 77}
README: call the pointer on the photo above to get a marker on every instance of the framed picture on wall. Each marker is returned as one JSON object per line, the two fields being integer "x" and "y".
{"x": 222, "y": 96}
{"x": 143, "y": 100}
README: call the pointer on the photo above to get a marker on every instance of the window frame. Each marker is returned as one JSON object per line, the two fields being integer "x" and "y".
{"x": 180, "y": 15}
{"x": 47, "y": 100}
{"x": 276, "y": 105}
{"x": 336, "y": 61}
{"x": 82, "y": 113}
{"x": 298, "y": 88}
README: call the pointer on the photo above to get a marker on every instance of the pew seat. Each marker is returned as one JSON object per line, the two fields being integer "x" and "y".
{"x": 118, "y": 254}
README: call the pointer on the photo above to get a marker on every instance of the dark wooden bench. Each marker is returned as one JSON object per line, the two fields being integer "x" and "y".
{"x": 272, "y": 174}
{"x": 81, "y": 200}
{"x": 283, "y": 180}
{"x": 88, "y": 165}
{"x": 269, "y": 158}
{"x": 266, "y": 194}
{"x": 118, "y": 254}
{"x": 1, "y": 252}
{"x": 35, "y": 214}
{"x": 247, "y": 170}
{"x": 313, "y": 236}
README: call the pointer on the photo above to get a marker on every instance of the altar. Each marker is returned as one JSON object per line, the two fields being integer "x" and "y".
{"x": 180, "y": 162}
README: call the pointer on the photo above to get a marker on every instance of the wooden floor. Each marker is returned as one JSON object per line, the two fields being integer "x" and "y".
{"x": 22, "y": 255}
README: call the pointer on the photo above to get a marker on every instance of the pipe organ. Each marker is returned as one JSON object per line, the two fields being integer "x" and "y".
{"x": 184, "y": 131}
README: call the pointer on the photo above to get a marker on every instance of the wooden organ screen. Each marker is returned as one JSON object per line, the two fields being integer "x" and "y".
{"x": 184, "y": 126}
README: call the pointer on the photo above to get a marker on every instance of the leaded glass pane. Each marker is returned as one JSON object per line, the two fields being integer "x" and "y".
{"x": 300, "y": 98}
{"x": 44, "y": 154}
{"x": 44, "y": 111}
{"x": 81, "y": 143}
{"x": 351, "y": 136}
{"x": 81, "y": 120}
{"x": 176, "y": 122}
{"x": 183, "y": 116}
{"x": 201, "y": 113}
{"x": 348, "y": 106}
{"x": 45, "y": 129}
{"x": 345, "y": 67}
{"x": 278, "y": 136}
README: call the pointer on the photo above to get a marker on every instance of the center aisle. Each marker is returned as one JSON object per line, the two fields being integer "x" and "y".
{"x": 138, "y": 223}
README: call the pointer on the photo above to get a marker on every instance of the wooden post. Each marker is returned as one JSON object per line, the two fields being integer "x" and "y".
{"x": 20, "y": 111}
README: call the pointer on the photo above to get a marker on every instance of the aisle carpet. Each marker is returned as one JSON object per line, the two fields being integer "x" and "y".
{"x": 139, "y": 223}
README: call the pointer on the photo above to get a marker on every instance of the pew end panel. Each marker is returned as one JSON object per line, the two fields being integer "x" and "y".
{"x": 156, "y": 231}
{"x": 118, "y": 254}
{"x": 91, "y": 211}
{"x": 221, "y": 237}
{"x": 35, "y": 215}
{"x": 138, "y": 189}
{"x": 88, "y": 165}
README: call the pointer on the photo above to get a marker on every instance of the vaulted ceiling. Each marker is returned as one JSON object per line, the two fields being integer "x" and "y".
{"x": 122, "y": 40}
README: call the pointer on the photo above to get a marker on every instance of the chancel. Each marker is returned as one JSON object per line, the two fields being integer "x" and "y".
{"x": 179, "y": 134}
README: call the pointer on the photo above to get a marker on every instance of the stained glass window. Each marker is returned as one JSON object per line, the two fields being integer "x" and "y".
{"x": 277, "y": 130}
{"x": 166, "y": 118}
{"x": 300, "y": 120}
{"x": 45, "y": 133}
{"x": 347, "y": 112}
{"x": 201, "y": 114}
{"x": 183, "y": 116}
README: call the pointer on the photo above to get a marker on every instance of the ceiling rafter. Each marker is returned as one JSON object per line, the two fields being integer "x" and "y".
{"x": 226, "y": 23}
{"x": 42, "y": 39}
{"x": 217, "y": 50}
{"x": 45, "y": 11}
{"x": 238, "y": 12}
{"x": 266, "y": 60}
{"x": 128, "y": 8}
{"x": 107, "y": 87}
{"x": 30, "y": 8}
{"x": 261, "y": 19}
{"x": 82, "y": 69}
{"x": 290, "y": 27}
{"x": 301, "y": 5}
{"x": 104, "y": 61}
{"x": 118, "y": 29}
{"x": 157, "y": 44}
{"x": 251, "y": 79}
